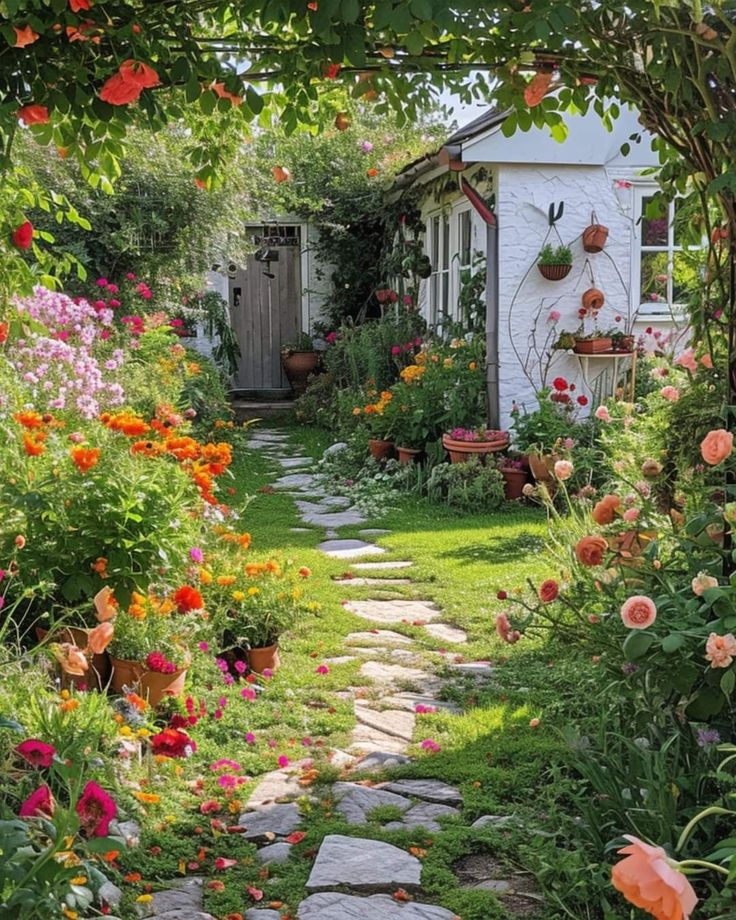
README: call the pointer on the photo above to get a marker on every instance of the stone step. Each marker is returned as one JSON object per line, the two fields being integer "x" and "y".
{"x": 376, "y": 582}
{"x": 377, "y": 637}
{"x": 410, "y": 700}
{"x": 393, "y": 675}
{"x": 329, "y": 518}
{"x": 425, "y": 815}
{"x": 373, "y": 532}
{"x": 356, "y": 802}
{"x": 333, "y": 905}
{"x": 278, "y": 784}
{"x": 397, "y": 723}
{"x": 296, "y": 481}
{"x": 395, "y": 611}
{"x": 349, "y": 549}
{"x": 446, "y": 633}
{"x": 377, "y": 566}
{"x": 429, "y": 790}
{"x": 362, "y": 865}
{"x": 293, "y": 463}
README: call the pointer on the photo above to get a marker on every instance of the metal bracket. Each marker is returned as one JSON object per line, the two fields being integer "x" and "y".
{"x": 553, "y": 217}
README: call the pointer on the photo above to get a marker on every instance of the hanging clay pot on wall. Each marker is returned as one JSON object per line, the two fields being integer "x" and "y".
{"x": 594, "y": 238}
{"x": 593, "y": 300}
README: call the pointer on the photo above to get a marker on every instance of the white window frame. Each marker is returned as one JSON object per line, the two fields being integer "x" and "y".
{"x": 439, "y": 224}
{"x": 457, "y": 258}
{"x": 645, "y": 308}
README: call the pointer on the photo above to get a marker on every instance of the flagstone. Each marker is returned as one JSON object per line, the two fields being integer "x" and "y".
{"x": 377, "y": 637}
{"x": 377, "y": 582}
{"x": 333, "y": 905}
{"x": 474, "y": 668}
{"x": 292, "y": 463}
{"x": 296, "y": 481}
{"x": 278, "y": 784}
{"x": 410, "y": 700}
{"x": 394, "y": 564}
{"x": 446, "y": 633}
{"x": 278, "y": 820}
{"x": 327, "y": 518}
{"x": 362, "y": 865}
{"x": 394, "y": 611}
{"x": 367, "y": 740}
{"x": 423, "y": 815}
{"x": 430, "y": 790}
{"x": 398, "y": 723}
{"x": 356, "y": 802}
{"x": 394, "y": 674}
{"x": 349, "y": 549}
{"x": 373, "y": 532}
{"x": 275, "y": 853}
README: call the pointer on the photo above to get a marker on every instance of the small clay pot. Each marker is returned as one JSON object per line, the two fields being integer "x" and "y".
{"x": 592, "y": 346}
{"x": 408, "y": 455}
{"x": 380, "y": 448}
{"x": 460, "y": 451}
{"x": 99, "y": 671}
{"x": 513, "y": 483}
{"x": 594, "y": 238}
{"x": 593, "y": 300}
{"x": 151, "y": 685}
{"x": 262, "y": 659}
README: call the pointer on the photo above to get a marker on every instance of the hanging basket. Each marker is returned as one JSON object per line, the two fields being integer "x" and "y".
{"x": 594, "y": 238}
{"x": 554, "y": 272}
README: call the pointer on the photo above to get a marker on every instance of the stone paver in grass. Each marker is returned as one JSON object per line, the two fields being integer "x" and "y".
{"x": 410, "y": 700}
{"x": 366, "y": 740}
{"x": 318, "y": 504}
{"x": 296, "y": 481}
{"x": 377, "y": 582}
{"x": 294, "y": 463}
{"x": 356, "y": 802}
{"x": 430, "y": 790}
{"x": 300, "y": 529}
{"x": 392, "y": 675}
{"x": 256, "y": 913}
{"x": 397, "y": 723}
{"x": 270, "y": 821}
{"x": 340, "y": 659}
{"x": 349, "y": 549}
{"x": 378, "y": 566}
{"x": 425, "y": 815}
{"x": 379, "y": 760}
{"x": 446, "y": 633}
{"x": 332, "y": 905}
{"x": 278, "y": 784}
{"x": 377, "y": 637}
{"x": 182, "y": 902}
{"x": 275, "y": 853}
{"x": 363, "y": 865}
{"x": 373, "y": 532}
{"x": 473, "y": 668}
{"x": 329, "y": 518}
{"x": 397, "y": 611}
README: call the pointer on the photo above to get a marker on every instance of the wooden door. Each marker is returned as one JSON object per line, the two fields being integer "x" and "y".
{"x": 266, "y": 311}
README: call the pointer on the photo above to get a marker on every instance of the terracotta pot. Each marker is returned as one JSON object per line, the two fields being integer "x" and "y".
{"x": 513, "y": 483}
{"x": 99, "y": 672}
{"x": 594, "y": 237}
{"x": 151, "y": 685}
{"x": 460, "y": 451}
{"x": 554, "y": 272}
{"x": 592, "y": 346}
{"x": 260, "y": 659}
{"x": 380, "y": 449}
{"x": 593, "y": 300}
{"x": 408, "y": 455}
{"x": 298, "y": 365}
{"x": 541, "y": 466}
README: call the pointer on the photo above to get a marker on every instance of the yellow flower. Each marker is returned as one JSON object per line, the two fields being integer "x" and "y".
{"x": 143, "y": 733}
{"x": 252, "y": 592}
{"x": 235, "y": 807}
{"x": 447, "y": 362}
{"x": 79, "y": 880}
{"x": 472, "y": 365}
{"x": 205, "y": 577}
{"x": 70, "y": 914}
{"x": 144, "y": 899}
{"x": 296, "y": 594}
{"x": 148, "y": 798}
{"x": 238, "y": 596}
{"x": 126, "y": 731}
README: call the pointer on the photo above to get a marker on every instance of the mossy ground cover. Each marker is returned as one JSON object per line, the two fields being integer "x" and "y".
{"x": 499, "y": 762}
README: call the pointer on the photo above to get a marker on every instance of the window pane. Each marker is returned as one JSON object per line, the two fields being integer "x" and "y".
{"x": 433, "y": 292}
{"x": 464, "y": 236}
{"x": 434, "y": 258}
{"x": 684, "y": 275}
{"x": 654, "y": 276}
{"x": 445, "y": 243}
{"x": 445, "y": 290}
{"x": 654, "y": 229}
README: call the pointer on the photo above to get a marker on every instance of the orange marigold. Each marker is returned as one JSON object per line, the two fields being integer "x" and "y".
{"x": 29, "y": 419}
{"x": 85, "y": 458}
{"x": 226, "y": 580}
{"x": 33, "y": 443}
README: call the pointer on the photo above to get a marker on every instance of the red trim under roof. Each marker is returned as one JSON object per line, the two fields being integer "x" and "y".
{"x": 478, "y": 203}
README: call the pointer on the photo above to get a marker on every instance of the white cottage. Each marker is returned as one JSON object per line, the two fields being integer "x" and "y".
{"x": 488, "y": 199}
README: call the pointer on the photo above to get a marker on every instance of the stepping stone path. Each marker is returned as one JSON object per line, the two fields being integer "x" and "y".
{"x": 353, "y": 878}
{"x": 183, "y": 902}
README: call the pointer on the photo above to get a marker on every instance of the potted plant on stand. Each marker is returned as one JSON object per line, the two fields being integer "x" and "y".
{"x": 461, "y": 443}
{"x": 554, "y": 262}
{"x": 299, "y": 360}
{"x": 150, "y": 649}
{"x": 541, "y": 433}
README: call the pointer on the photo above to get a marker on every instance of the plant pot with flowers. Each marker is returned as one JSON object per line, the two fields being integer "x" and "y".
{"x": 150, "y": 651}
{"x": 414, "y": 414}
{"x": 379, "y": 419}
{"x": 554, "y": 262}
{"x": 515, "y": 476}
{"x": 541, "y": 434}
{"x": 256, "y": 609}
{"x": 460, "y": 443}
{"x": 594, "y": 343}
{"x": 299, "y": 360}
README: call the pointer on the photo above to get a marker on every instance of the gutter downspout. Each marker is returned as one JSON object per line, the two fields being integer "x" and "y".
{"x": 492, "y": 322}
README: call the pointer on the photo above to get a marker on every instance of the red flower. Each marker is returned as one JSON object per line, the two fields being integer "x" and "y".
{"x": 172, "y": 742}
{"x": 40, "y": 802}
{"x": 296, "y": 837}
{"x": 502, "y": 595}
{"x": 187, "y": 598}
{"x": 96, "y": 810}
{"x": 222, "y": 863}
{"x": 85, "y": 458}
{"x": 23, "y": 235}
{"x": 548, "y": 591}
{"x": 77, "y": 5}
{"x": 157, "y": 661}
{"x": 219, "y": 90}
{"x": 582, "y": 400}
{"x": 332, "y": 70}
{"x": 128, "y": 83}
{"x": 33, "y": 114}
{"x": 560, "y": 384}
{"x": 4, "y": 332}
{"x": 37, "y": 753}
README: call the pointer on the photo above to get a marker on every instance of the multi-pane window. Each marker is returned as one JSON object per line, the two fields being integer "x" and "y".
{"x": 666, "y": 267}
{"x": 439, "y": 255}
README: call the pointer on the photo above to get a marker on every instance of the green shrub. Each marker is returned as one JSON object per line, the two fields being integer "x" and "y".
{"x": 469, "y": 486}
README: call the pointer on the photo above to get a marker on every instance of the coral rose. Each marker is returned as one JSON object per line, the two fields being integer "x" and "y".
{"x": 720, "y": 650}
{"x": 605, "y": 510}
{"x": 648, "y": 879}
{"x": 687, "y": 360}
{"x": 548, "y": 591}
{"x": 563, "y": 469}
{"x": 99, "y": 638}
{"x": 638, "y": 612}
{"x": 590, "y": 550}
{"x": 670, "y": 393}
{"x": 716, "y": 446}
{"x": 104, "y": 605}
{"x": 702, "y": 582}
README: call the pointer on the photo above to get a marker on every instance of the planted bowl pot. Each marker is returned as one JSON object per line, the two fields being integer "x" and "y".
{"x": 409, "y": 455}
{"x": 554, "y": 272}
{"x": 99, "y": 671}
{"x": 298, "y": 365}
{"x": 264, "y": 658}
{"x": 592, "y": 346}
{"x": 514, "y": 481}
{"x": 380, "y": 449}
{"x": 460, "y": 451}
{"x": 151, "y": 685}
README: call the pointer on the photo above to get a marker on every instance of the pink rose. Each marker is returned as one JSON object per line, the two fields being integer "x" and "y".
{"x": 720, "y": 650}
{"x": 687, "y": 360}
{"x": 671, "y": 393}
{"x": 603, "y": 414}
{"x": 638, "y": 612}
{"x": 716, "y": 446}
{"x": 702, "y": 582}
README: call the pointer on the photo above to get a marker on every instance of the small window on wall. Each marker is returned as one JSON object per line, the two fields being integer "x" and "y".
{"x": 665, "y": 268}
{"x": 439, "y": 256}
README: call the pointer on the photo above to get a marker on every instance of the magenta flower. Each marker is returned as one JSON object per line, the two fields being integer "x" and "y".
{"x": 196, "y": 555}
{"x": 37, "y": 753}
{"x": 241, "y": 667}
{"x": 396, "y": 349}
{"x": 248, "y": 693}
{"x": 283, "y": 761}
{"x": 322, "y": 669}
{"x": 204, "y": 646}
{"x": 250, "y": 738}
{"x": 430, "y": 745}
{"x": 96, "y": 810}
{"x": 38, "y": 803}
{"x": 267, "y": 673}
{"x": 421, "y": 709}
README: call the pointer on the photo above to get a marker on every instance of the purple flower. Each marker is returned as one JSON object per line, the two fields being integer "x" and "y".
{"x": 708, "y": 737}
{"x": 196, "y": 555}
{"x": 366, "y": 147}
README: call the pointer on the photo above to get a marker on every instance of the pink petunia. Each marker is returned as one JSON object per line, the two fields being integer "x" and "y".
{"x": 430, "y": 745}
{"x": 322, "y": 669}
{"x": 283, "y": 761}
{"x": 36, "y": 753}
{"x": 96, "y": 809}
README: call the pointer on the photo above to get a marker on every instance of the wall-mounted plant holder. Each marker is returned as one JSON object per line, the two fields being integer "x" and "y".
{"x": 594, "y": 235}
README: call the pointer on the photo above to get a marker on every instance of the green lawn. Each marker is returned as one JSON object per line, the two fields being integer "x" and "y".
{"x": 501, "y": 764}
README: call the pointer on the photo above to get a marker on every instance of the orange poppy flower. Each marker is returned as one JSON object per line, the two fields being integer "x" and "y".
{"x": 29, "y": 419}
{"x": 537, "y": 88}
{"x": 25, "y": 36}
{"x": 33, "y": 444}
{"x": 33, "y": 114}
{"x": 219, "y": 90}
{"x": 85, "y": 458}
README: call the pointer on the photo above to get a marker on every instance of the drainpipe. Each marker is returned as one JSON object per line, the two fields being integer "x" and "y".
{"x": 492, "y": 359}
